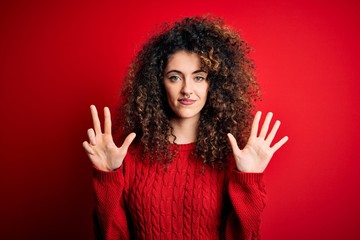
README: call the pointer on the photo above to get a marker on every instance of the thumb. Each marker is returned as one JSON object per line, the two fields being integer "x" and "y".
{"x": 128, "y": 140}
{"x": 233, "y": 142}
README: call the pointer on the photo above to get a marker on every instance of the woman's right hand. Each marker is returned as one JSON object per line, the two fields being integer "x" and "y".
{"x": 101, "y": 149}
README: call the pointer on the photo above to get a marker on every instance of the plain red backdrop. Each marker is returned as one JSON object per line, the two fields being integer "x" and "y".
{"x": 58, "y": 58}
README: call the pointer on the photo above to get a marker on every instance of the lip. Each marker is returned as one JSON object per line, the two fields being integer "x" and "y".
{"x": 185, "y": 101}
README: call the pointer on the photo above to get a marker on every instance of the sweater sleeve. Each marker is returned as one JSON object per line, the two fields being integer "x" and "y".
{"x": 248, "y": 196}
{"x": 110, "y": 221}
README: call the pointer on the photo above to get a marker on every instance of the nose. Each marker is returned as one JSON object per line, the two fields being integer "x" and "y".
{"x": 187, "y": 87}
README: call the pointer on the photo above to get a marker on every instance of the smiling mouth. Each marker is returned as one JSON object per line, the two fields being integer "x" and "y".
{"x": 184, "y": 101}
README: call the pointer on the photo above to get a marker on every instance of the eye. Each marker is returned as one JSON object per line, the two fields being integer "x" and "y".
{"x": 174, "y": 78}
{"x": 199, "y": 78}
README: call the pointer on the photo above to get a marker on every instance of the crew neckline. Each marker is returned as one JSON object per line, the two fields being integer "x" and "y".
{"x": 184, "y": 146}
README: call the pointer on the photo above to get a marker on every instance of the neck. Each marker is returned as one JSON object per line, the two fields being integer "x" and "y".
{"x": 185, "y": 130}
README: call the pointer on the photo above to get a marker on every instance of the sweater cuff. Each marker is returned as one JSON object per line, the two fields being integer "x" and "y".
{"x": 104, "y": 176}
{"x": 247, "y": 178}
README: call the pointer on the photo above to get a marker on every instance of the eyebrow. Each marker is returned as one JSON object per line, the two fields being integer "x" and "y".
{"x": 179, "y": 72}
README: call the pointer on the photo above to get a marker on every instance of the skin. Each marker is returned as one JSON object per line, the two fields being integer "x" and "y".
{"x": 186, "y": 88}
{"x": 101, "y": 149}
{"x": 184, "y": 79}
{"x": 257, "y": 153}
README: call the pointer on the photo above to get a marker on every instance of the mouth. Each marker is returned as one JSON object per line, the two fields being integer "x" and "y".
{"x": 185, "y": 101}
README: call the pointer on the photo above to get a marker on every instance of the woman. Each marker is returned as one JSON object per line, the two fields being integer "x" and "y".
{"x": 190, "y": 167}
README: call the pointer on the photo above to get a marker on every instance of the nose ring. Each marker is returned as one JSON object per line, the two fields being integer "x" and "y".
{"x": 187, "y": 95}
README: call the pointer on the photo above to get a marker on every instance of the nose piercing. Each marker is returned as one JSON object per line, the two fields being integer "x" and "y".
{"x": 187, "y": 95}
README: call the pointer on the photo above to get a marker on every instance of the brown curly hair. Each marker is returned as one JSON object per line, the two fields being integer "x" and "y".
{"x": 231, "y": 95}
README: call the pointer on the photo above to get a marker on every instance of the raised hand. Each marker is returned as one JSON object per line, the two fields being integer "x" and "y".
{"x": 101, "y": 149}
{"x": 257, "y": 153}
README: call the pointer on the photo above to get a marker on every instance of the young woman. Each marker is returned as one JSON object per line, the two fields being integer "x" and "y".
{"x": 191, "y": 165}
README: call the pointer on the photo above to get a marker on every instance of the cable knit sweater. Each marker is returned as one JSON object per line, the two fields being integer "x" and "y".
{"x": 184, "y": 199}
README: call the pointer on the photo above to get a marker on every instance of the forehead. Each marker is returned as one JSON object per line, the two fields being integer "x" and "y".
{"x": 183, "y": 60}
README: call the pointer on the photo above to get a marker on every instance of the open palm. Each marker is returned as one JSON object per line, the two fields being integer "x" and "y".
{"x": 257, "y": 153}
{"x": 101, "y": 149}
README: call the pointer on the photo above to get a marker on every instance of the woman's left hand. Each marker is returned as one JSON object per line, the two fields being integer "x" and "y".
{"x": 257, "y": 153}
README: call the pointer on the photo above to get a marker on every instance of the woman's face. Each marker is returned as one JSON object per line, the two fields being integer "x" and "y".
{"x": 186, "y": 84}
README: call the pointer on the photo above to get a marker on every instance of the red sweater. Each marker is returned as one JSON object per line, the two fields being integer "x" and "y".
{"x": 184, "y": 200}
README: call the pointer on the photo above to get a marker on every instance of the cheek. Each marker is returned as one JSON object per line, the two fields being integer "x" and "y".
{"x": 170, "y": 94}
{"x": 205, "y": 91}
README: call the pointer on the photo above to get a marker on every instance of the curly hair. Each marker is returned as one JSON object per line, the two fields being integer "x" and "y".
{"x": 232, "y": 91}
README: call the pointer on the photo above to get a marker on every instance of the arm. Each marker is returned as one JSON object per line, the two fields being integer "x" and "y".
{"x": 246, "y": 188}
{"x": 247, "y": 196}
{"x": 110, "y": 221}
{"x": 107, "y": 159}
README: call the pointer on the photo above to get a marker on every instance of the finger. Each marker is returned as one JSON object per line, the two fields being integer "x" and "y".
{"x": 107, "y": 122}
{"x": 128, "y": 140}
{"x": 95, "y": 119}
{"x": 273, "y": 132}
{"x": 255, "y": 124}
{"x": 91, "y": 135}
{"x": 265, "y": 126}
{"x": 233, "y": 143}
{"x": 280, "y": 143}
{"x": 88, "y": 148}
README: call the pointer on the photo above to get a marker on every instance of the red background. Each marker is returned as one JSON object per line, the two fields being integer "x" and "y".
{"x": 58, "y": 58}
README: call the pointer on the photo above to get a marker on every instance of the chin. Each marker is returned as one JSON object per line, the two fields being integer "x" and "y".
{"x": 186, "y": 115}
